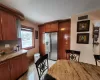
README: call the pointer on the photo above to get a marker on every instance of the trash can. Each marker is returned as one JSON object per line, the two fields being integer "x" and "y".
{"x": 36, "y": 57}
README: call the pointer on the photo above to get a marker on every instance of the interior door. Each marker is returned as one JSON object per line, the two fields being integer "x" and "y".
{"x": 53, "y": 53}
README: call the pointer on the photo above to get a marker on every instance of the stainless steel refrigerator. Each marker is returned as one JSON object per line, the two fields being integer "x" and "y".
{"x": 51, "y": 45}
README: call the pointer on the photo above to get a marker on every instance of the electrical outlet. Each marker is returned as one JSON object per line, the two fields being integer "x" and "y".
{"x": 7, "y": 45}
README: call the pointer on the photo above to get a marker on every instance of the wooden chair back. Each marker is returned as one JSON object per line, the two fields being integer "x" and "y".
{"x": 97, "y": 58}
{"x": 42, "y": 65}
{"x": 73, "y": 55}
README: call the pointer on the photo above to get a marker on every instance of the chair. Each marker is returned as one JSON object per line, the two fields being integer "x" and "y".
{"x": 97, "y": 58}
{"x": 42, "y": 65}
{"x": 48, "y": 77}
{"x": 73, "y": 55}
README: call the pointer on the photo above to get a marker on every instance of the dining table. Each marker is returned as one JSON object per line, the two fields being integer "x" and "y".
{"x": 71, "y": 70}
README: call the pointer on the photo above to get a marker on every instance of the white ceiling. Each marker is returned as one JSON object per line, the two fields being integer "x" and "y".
{"x": 42, "y": 11}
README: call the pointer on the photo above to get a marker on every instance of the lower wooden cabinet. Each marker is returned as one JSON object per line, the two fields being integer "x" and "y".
{"x": 25, "y": 63}
{"x": 12, "y": 69}
{"x": 5, "y": 71}
{"x": 16, "y": 67}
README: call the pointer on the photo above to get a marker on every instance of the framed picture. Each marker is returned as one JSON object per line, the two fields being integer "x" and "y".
{"x": 83, "y": 38}
{"x": 83, "y": 26}
{"x": 36, "y": 34}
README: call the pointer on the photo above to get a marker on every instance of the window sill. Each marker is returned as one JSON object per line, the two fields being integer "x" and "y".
{"x": 28, "y": 48}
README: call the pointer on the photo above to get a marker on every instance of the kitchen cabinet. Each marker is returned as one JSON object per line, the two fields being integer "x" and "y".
{"x": 54, "y": 27}
{"x": 4, "y": 71}
{"x": 51, "y": 27}
{"x": 0, "y": 30}
{"x": 41, "y": 39}
{"x": 25, "y": 63}
{"x": 48, "y": 27}
{"x": 63, "y": 28}
{"x": 16, "y": 67}
{"x": 63, "y": 39}
{"x": 8, "y": 26}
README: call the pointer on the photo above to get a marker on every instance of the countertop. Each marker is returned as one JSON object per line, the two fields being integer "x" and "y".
{"x": 70, "y": 70}
{"x": 9, "y": 56}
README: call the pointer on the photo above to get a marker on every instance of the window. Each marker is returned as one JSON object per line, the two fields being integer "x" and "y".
{"x": 27, "y": 37}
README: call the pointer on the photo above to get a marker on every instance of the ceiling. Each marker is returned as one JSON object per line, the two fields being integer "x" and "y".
{"x": 41, "y": 11}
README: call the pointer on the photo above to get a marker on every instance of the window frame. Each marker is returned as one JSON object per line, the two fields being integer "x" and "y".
{"x": 25, "y": 28}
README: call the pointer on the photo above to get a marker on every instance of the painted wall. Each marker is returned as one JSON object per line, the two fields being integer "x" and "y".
{"x": 35, "y": 26}
{"x": 87, "y": 50}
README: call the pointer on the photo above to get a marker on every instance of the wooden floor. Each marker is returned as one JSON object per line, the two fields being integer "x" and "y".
{"x": 32, "y": 73}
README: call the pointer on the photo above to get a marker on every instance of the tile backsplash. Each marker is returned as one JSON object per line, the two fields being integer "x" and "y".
{"x": 8, "y": 46}
{"x": 10, "y": 43}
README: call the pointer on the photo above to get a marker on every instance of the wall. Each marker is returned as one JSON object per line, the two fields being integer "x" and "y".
{"x": 35, "y": 26}
{"x": 87, "y": 50}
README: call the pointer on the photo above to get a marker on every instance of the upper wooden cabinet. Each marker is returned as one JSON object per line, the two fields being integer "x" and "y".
{"x": 51, "y": 27}
{"x": 7, "y": 26}
{"x": 54, "y": 26}
{"x": 48, "y": 27}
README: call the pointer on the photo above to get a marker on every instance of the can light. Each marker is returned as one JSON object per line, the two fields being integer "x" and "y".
{"x": 62, "y": 29}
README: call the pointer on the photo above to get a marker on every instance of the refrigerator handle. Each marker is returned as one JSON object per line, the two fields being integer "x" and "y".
{"x": 50, "y": 44}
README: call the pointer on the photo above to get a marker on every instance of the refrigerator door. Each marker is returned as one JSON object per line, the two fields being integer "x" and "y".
{"x": 53, "y": 52}
{"x": 47, "y": 43}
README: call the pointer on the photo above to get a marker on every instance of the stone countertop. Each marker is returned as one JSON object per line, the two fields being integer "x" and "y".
{"x": 70, "y": 70}
{"x": 9, "y": 56}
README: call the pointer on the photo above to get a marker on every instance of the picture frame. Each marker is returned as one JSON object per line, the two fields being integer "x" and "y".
{"x": 36, "y": 34}
{"x": 83, "y": 26}
{"x": 83, "y": 38}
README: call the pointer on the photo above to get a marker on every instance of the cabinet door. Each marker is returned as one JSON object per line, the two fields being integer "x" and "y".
{"x": 54, "y": 26}
{"x": 4, "y": 71}
{"x": 16, "y": 67}
{"x": 9, "y": 29}
{"x": 48, "y": 27}
{"x": 25, "y": 63}
{"x": 63, "y": 39}
{"x": 41, "y": 40}
{"x": 0, "y": 30}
